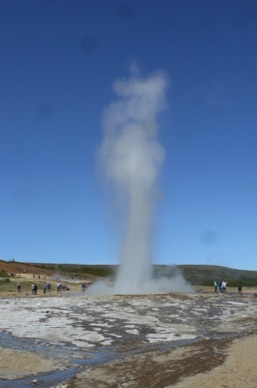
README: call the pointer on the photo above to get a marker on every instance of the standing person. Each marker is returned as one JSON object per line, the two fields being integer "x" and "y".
{"x": 32, "y": 288}
{"x": 18, "y": 287}
{"x": 44, "y": 288}
{"x": 223, "y": 286}
{"x": 215, "y": 284}
{"x": 35, "y": 289}
{"x": 239, "y": 288}
{"x": 49, "y": 287}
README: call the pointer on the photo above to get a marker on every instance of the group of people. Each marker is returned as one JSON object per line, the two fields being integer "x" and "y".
{"x": 46, "y": 287}
{"x": 223, "y": 286}
{"x": 34, "y": 288}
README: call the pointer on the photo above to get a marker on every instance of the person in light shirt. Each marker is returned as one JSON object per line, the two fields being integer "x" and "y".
{"x": 223, "y": 286}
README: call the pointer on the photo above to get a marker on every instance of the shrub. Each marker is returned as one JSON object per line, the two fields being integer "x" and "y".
{"x": 4, "y": 280}
{"x": 3, "y": 274}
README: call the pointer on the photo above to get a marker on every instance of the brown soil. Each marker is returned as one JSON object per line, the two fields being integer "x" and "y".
{"x": 16, "y": 364}
{"x": 155, "y": 369}
{"x": 19, "y": 268}
{"x": 238, "y": 370}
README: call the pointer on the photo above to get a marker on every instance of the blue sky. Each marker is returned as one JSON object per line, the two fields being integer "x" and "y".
{"x": 59, "y": 60}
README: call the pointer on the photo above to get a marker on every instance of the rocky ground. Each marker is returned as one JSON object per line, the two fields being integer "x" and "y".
{"x": 75, "y": 340}
{"x": 209, "y": 363}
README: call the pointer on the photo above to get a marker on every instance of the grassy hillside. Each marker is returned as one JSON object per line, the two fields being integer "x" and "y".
{"x": 51, "y": 269}
{"x": 77, "y": 270}
{"x": 199, "y": 275}
{"x": 204, "y": 275}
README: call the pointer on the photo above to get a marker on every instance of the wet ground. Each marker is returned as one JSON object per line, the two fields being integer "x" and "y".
{"x": 82, "y": 332}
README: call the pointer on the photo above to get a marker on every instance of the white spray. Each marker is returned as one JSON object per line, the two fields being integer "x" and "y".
{"x": 132, "y": 157}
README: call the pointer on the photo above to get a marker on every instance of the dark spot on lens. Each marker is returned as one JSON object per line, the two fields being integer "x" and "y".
{"x": 209, "y": 237}
{"x": 88, "y": 43}
{"x": 247, "y": 14}
{"x": 126, "y": 11}
{"x": 45, "y": 111}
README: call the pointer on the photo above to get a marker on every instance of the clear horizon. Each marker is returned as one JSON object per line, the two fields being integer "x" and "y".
{"x": 117, "y": 264}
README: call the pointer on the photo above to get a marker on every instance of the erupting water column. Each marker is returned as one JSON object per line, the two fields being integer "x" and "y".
{"x": 132, "y": 158}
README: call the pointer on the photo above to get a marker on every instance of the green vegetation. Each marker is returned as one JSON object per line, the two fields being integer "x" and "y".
{"x": 5, "y": 280}
{"x": 197, "y": 275}
{"x": 96, "y": 271}
{"x": 204, "y": 275}
{"x": 75, "y": 269}
{"x": 6, "y": 285}
{"x": 26, "y": 286}
{"x": 3, "y": 274}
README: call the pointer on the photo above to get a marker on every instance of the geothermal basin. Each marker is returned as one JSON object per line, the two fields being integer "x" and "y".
{"x": 72, "y": 336}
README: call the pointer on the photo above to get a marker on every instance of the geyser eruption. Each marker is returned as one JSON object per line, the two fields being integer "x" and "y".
{"x": 132, "y": 157}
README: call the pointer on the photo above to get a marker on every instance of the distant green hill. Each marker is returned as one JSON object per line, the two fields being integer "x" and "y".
{"x": 197, "y": 275}
{"x": 78, "y": 269}
{"x": 204, "y": 275}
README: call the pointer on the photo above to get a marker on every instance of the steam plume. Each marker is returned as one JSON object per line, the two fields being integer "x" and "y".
{"x": 132, "y": 157}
